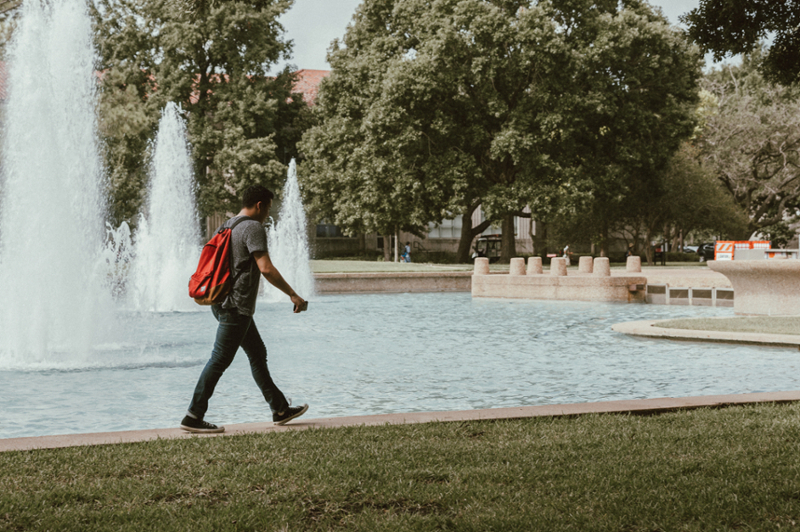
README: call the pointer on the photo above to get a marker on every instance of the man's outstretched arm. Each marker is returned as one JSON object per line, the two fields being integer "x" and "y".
{"x": 274, "y": 277}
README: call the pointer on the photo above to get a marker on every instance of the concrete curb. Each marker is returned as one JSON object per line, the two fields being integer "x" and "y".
{"x": 650, "y": 329}
{"x": 392, "y": 282}
{"x": 636, "y": 406}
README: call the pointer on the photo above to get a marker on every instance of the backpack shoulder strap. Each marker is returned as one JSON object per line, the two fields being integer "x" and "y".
{"x": 235, "y": 223}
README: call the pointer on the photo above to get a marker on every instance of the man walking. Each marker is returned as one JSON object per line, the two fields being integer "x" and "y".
{"x": 249, "y": 260}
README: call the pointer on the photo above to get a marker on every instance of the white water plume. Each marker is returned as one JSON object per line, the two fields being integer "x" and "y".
{"x": 288, "y": 243}
{"x": 55, "y": 298}
{"x": 168, "y": 237}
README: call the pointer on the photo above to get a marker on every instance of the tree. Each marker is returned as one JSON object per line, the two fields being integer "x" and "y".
{"x": 9, "y": 9}
{"x": 435, "y": 108}
{"x": 422, "y": 111}
{"x": 688, "y": 198}
{"x": 752, "y": 143}
{"x": 213, "y": 58}
{"x": 739, "y": 27}
{"x": 684, "y": 197}
{"x": 634, "y": 103}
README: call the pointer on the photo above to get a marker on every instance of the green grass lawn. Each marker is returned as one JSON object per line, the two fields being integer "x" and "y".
{"x": 760, "y": 324}
{"x": 729, "y": 469}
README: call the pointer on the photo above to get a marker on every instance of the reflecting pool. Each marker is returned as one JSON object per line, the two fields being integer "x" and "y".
{"x": 385, "y": 353}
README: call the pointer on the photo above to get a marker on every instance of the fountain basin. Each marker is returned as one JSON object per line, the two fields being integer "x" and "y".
{"x": 763, "y": 287}
{"x": 572, "y": 287}
{"x": 382, "y": 354}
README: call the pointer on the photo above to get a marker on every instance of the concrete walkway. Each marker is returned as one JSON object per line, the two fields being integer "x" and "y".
{"x": 650, "y": 329}
{"x": 641, "y": 406}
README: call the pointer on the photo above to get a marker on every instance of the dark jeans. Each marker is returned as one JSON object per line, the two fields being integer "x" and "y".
{"x": 234, "y": 331}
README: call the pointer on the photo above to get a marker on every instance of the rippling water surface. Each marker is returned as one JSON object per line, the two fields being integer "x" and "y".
{"x": 375, "y": 354}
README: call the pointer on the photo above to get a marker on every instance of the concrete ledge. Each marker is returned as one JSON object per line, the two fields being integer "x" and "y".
{"x": 392, "y": 282}
{"x": 571, "y": 287}
{"x": 763, "y": 287}
{"x": 650, "y": 329}
{"x": 634, "y": 406}
{"x": 696, "y": 277}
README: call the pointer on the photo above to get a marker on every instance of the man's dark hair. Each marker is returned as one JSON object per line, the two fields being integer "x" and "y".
{"x": 255, "y": 193}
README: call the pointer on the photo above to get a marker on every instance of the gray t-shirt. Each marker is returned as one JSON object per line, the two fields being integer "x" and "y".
{"x": 246, "y": 238}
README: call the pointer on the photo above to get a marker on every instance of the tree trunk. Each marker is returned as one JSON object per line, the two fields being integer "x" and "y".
{"x": 648, "y": 249}
{"x": 604, "y": 241}
{"x": 396, "y": 244}
{"x": 387, "y": 248}
{"x": 543, "y": 237}
{"x": 468, "y": 234}
{"x": 463, "y": 255}
{"x": 509, "y": 242}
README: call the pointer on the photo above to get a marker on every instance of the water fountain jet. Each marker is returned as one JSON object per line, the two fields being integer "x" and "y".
{"x": 55, "y": 298}
{"x": 168, "y": 238}
{"x": 288, "y": 242}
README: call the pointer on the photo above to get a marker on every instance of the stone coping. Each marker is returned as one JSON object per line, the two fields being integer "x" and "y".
{"x": 381, "y": 275}
{"x": 633, "y": 406}
{"x": 695, "y": 277}
{"x": 650, "y": 329}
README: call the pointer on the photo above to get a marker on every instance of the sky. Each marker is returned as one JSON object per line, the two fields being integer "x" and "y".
{"x": 313, "y": 24}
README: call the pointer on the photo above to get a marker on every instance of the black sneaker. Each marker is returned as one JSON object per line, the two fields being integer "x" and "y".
{"x": 289, "y": 414}
{"x": 191, "y": 424}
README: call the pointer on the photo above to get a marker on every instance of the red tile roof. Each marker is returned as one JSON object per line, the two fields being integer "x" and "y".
{"x": 2, "y": 81}
{"x": 308, "y": 83}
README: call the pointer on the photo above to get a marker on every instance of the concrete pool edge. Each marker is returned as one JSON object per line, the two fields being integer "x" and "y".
{"x": 633, "y": 406}
{"x": 650, "y": 329}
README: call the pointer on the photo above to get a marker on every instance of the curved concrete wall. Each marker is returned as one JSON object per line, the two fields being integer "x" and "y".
{"x": 763, "y": 287}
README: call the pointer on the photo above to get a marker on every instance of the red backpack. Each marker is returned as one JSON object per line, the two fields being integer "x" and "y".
{"x": 213, "y": 280}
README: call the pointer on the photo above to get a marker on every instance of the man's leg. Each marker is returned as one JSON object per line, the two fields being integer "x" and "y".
{"x": 256, "y": 352}
{"x": 232, "y": 329}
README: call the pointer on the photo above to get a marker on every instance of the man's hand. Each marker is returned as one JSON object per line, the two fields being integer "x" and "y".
{"x": 299, "y": 303}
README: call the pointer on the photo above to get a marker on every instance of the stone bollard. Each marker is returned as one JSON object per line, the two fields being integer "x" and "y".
{"x": 585, "y": 265}
{"x": 558, "y": 266}
{"x": 634, "y": 264}
{"x": 602, "y": 268}
{"x": 534, "y": 265}
{"x": 517, "y": 266}
{"x": 481, "y": 266}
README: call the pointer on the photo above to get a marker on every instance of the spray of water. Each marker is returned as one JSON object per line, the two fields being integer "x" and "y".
{"x": 288, "y": 242}
{"x": 168, "y": 238}
{"x": 54, "y": 296}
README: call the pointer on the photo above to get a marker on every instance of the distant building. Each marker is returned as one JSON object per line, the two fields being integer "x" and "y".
{"x": 308, "y": 83}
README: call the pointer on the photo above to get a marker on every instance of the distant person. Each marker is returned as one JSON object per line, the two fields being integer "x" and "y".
{"x": 407, "y": 252}
{"x": 567, "y": 253}
{"x": 249, "y": 260}
{"x": 629, "y": 253}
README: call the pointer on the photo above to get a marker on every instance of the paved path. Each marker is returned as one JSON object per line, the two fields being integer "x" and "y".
{"x": 650, "y": 329}
{"x": 642, "y": 406}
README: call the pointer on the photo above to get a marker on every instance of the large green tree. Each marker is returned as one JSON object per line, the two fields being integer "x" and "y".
{"x": 634, "y": 100}
{"x": 751, "y": 140}
{"x": 213, "y": 57}
{"x": 434, "y": 108}
{"x": 739, "y": 26}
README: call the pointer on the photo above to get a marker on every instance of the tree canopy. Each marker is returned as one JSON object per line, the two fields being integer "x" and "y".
{"x": 739, "y": 26}
{"x": 213, "y": 58}
{"x": 8, "y": 14}
{"x": 434, "y": 108}
{"x": 751, "y": 140}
